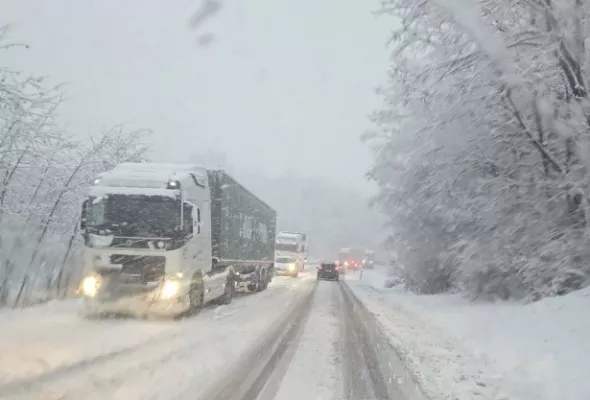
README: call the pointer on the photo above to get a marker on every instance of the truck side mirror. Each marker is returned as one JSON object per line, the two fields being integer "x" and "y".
{"x": 83, "y": 215}
{"x": 214, "y": 261}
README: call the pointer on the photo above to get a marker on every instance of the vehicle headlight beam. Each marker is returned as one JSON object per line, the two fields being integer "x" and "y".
{"x": 90, "y": 286}
{"x": 170, "y": 289}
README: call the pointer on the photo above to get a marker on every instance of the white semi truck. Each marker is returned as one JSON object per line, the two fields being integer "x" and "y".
{"x": 291, "y": 245}
{"x": 168, "y": 238}
{"x": 369, "y": 260}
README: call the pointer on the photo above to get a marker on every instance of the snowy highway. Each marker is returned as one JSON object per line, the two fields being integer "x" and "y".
{"x": 299, "y": 339}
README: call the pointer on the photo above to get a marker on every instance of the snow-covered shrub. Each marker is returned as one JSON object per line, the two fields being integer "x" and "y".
{"x": 394, "y": 281}
{"x": 482, "y": 146}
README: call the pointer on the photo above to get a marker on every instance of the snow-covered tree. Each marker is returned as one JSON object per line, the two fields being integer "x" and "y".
{"x": 43, "y": 172}
{"x": 481, "y": 147}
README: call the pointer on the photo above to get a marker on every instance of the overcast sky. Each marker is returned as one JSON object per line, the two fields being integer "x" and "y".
{"x": 284, "y": 86}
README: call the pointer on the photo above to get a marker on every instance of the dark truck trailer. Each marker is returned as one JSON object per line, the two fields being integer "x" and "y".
{"x": 243, "y": 230}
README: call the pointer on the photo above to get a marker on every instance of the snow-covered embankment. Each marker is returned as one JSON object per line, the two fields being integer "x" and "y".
{"x": 461, "y": 350}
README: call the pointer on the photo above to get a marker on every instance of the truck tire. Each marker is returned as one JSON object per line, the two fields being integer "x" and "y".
{"x": 266, "y": 279}
{"x": 261, "y": 279}
{"x": 230, "y": 289}
{"x": 255, "y": 286}
{"x": 196, "y": 297}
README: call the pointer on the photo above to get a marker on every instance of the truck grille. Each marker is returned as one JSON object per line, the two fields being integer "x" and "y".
{"x": 140, "y": 269}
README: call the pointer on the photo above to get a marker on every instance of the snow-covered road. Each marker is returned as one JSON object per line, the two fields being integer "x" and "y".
{"x": 52, "y": 352}
{"x": 299, "y": 339}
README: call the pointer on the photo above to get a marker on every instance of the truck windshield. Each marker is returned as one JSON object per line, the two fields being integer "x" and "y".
{"x": 134, "y": 215}
{"x": 292, "y": 247}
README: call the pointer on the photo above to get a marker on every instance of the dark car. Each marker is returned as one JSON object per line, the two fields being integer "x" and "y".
{"x": 328, "y": 271}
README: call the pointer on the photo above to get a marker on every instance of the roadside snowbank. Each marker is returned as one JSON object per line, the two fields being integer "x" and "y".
{"x": 461, "y": 350}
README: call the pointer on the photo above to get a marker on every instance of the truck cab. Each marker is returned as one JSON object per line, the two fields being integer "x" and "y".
{"x": 293, "y": 245}
{"x": 369, "y": 260}
{"x": 147, "y": 237}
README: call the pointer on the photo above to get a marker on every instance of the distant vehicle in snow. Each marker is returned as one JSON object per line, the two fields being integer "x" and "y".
{"x": 168, "y": 238}
{"x": 286, "y": 265}
{"x": 369, "y": 259}
{"x": 292, "y": 244}
{"x": 351, "y": 258}
{"x": 329, "y": 271}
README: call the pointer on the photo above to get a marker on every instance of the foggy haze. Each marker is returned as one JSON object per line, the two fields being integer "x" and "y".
{"x": 280, "y": 88}
{"x": 444, "y": 256}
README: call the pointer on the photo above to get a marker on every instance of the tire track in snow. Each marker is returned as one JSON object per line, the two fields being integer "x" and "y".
{"x": 22, "y": 385}
{"x": 251, "y": 374}
{"x": 106, "y": 371}
{"x": 107, "y": 378}
{"x": 315, "y": 370}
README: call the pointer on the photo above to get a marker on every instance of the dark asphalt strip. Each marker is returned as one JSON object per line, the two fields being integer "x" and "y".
{"x": 249, "y": 376}
{"x": 390, "y": 377}
{"x": 363, "y": 376}
{"x": 290, "y": 339}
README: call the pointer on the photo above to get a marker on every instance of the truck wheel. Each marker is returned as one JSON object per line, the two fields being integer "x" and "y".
{"x": 267, "y": 278}
{"x": 196, "y": 297}
{"x": 252, "y": 287}
{"x": 261, "y": 279}
{"x": 230, "y": 289}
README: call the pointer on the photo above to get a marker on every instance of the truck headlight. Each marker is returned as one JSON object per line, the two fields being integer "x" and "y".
{"x": 291, "y": 267}
{"x": 170, "y": 289}
{"x": 90, "y": 286}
